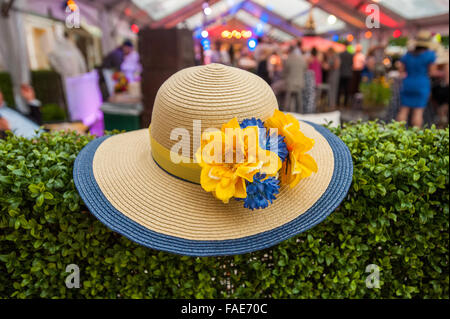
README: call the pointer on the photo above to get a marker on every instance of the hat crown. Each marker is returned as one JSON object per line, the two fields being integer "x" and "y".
{"x": 212, "y": 94}
{"x": 424, "y": 35}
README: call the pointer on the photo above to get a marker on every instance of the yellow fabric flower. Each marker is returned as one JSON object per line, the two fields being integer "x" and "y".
{"x": 299, "y": 165}
{"x": 232, "y": 156}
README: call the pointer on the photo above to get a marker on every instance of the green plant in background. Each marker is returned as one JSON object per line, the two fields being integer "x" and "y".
{"x": 400, "y": 41}
{"x": 444, "y": 41}
{"x": 53, "y": 113}
{"x": 376, "y": 93}
{"x": 396, "y": 216}
{"x": 6, "y": 87}
{"x": 48, "y": 87}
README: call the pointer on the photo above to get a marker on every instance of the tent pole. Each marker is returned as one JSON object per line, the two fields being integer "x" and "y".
{"x": 6, "y": 6}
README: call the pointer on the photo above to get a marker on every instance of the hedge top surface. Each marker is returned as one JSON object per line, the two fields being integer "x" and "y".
{"x": 129, "y": 181}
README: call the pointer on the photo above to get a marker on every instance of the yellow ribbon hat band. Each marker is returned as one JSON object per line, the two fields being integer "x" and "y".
{"x": 185, "y": 169}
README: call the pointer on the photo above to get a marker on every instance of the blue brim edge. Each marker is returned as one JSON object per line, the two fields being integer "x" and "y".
{"x": 102, "y": 209}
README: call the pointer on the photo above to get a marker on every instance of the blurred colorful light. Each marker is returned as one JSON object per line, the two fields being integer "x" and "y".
{"x": 350, "y": 37}
{"x": 246, "y": 34}
{"x": 207, "y": 11}
{"x": 335, "y": 38}
{"x": 368, "y": 34}
{"x": 206, "y": 44}
{"x": 252, "y": 44}
{"x": 397, "y": 33}
{"x": 438, "y": 37}
{"x": 331, "y": 19}
{"x": 134, "y": 28}
{"x": 205, "y": 34}
{"x": 72, "y": 5}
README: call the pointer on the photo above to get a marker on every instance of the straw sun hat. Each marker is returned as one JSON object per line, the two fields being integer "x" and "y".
{"x": 423, "y": 38}
{"x": 130, "y": 184}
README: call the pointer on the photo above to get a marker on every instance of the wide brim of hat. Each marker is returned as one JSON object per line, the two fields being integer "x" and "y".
{"x": 126, "y": 190}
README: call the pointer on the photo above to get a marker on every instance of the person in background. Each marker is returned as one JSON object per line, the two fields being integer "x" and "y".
{"x": 315, "y": 65}
{"x": 416, "y": 88}
{"x": 14, "y": 120}
{"x": 298, "y": 47}
{"x": 359, "y": 62}
{"x": 275, "y": 67}
{"x": 33, "y": 104}
{"x": 131, "y": 65}
{"x": 225, "y": 55}
{"x": 368, "y": 72}
{"x": 232, "y": 55}
{"x": 246, "y": 62}
{"x": 216, "y": 56}
{"x": 262, "y": 53}
{"x": 294, "y": 69}
{"x": 345, "y": 75}
{"x": 116, "y": 57}
{"x": 332, "y": 67}
{"x": 440, "y": 86}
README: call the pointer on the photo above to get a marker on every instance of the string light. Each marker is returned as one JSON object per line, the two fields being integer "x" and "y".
{"x": 246, "y": 34}
{"x": 205, "y": 34}
{"x": 332, "y": 19}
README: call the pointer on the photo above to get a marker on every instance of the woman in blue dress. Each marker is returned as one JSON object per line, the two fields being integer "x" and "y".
{"x": 416, "y": 88}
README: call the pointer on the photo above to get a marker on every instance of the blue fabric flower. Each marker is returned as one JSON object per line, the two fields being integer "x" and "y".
{"x": 252, "y": 122}
{"x": 261, "y": 191}
{"x": 267, "y": 141}
{"x": 282, "y": 147}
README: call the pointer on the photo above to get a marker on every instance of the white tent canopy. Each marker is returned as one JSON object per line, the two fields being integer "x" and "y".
{"x": 112, "y": 19}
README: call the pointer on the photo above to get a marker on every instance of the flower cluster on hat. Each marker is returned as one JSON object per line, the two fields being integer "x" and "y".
{"x": 298, "y": 165}
{"x": 268, "y": 159}
{"x": 231, "y": 157}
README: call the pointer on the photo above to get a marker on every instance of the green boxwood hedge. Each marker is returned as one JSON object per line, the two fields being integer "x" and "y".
{"x": 396, "y": 216}
{"x": 6, "y": 87}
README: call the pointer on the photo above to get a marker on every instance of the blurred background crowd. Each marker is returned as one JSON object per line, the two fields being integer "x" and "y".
{"x": 90, "y": 66}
